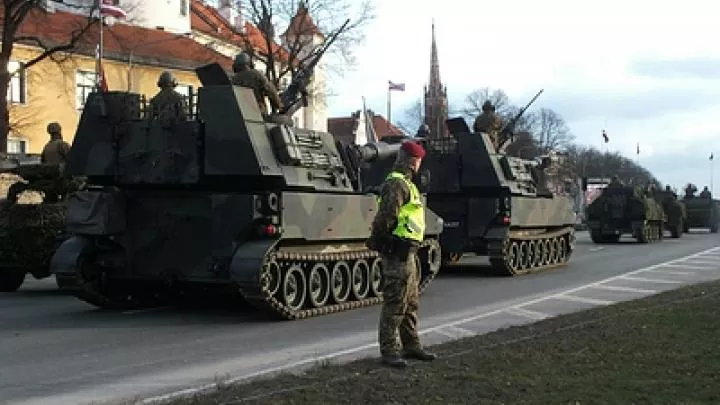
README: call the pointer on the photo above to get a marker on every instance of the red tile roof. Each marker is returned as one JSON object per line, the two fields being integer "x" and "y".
{"x": 302, "y": 24}
{"x": 151, "y": 46}
{"x": 209, "y": 21}
{"x": 342, "y": 128}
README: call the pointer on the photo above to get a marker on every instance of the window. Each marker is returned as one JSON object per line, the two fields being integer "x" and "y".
{"x": 183, "y": 7}
{"x": 16, "y": 146}
{"x": 187, "y": 91}
{"x": 84, "y": 84}
{"x": 16, "y": 87}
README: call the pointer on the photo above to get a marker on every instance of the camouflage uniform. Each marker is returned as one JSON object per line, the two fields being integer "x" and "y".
{"x": 489, "y": 122}
{"x": 168, "y": 105}
{"x": 400, "y": 282}
{"x": 705, "y": 193}
{"x": 246, "y": 76}
{"x": 56, "y": 150}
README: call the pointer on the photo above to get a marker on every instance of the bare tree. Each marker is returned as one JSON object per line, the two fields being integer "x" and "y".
{"x": 14, "y": 14}
{"x": 475, "y": 100}
{"x": 301, "y": 20}
{"x": 551, "y": 132}
{"x": 413, "y": 117}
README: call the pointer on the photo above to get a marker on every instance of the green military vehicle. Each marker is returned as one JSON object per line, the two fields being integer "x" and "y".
{"x": 625, "y": 210}
{"x": 675, "y": 211}
{"x": 31, "y": 226}
{"x": 702, "y": 211}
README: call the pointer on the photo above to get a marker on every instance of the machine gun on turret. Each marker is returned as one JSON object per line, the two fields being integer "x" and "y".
{"x": 296, "y": 92}
{"x": 507, "y": 133}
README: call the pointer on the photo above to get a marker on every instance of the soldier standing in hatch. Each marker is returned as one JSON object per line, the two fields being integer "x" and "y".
{"x": 397, "y": 231}
{"x": 168, "y": 105}
{"x": 489, "y": 122}
{"x": 615, "y": 182}
{"x": 56, "y": 150}
{"x": 246, "y": 76}
{"x": 705, "y": 193}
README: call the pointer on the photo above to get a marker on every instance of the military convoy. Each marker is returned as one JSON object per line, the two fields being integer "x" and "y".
{"x": 625, "y": 210}
{"x": 702, "y": 211}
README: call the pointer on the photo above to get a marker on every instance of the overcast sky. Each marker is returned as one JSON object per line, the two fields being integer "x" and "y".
{"x": 648, "y": 70}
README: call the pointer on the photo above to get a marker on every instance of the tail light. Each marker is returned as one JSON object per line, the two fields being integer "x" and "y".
{"x": 269, "y": 230}
{"x": 505, "y": 220}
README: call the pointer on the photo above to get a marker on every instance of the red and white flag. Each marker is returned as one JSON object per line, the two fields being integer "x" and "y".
{"x": 108, "y": 8}
{"x": 396, "y": 86}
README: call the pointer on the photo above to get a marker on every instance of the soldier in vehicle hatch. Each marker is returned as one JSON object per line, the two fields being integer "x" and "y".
{"x": 615, "y": 182}
{"x": 397, "y": 231}
{"x": 245, "y": 76}
{"x": 56, "y": 150}
{"x": 168, "y": 105}
{"x": 705, "y": 193}
{"x": 488, "y": 122}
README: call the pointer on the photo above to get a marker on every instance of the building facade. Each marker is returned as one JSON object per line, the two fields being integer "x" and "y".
{"x": 56, "y": 90}
{"x": 358, "y": 128}
{"x": 436, "y": 100}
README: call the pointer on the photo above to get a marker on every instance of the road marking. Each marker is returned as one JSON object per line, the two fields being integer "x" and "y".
{"x": 653, "y": 280}
{"x": 715, "y": 262}
{"x": 447, "y": 333}
{"x": 596, "y": 249}
{"x": 357, "y": 349}
{"x": 624, "y": 289}
{"x": 461, "y": 331}
{"x": 673, "y": 272}
{"x": 519, "y": 311}
{"x": 691, "y": 267}
{"x": 584, "y": 300}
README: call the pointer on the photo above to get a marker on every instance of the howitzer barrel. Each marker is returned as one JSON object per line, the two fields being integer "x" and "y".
{"x": 377, "y": 151}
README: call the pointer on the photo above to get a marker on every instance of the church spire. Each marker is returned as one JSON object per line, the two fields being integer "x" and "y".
{"x": 436, "y": 103}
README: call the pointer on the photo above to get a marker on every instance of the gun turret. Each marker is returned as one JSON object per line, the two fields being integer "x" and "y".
{"x": 296, "y": 92}
{"x": 507, "y": 132}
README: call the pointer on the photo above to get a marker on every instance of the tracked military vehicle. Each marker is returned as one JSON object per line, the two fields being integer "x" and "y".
{"x": 625, "y": 210}
{"x": 493, "y": 204}
{"x": 674, "y": 210}
{"x": 702, "y": 212}
{"x": 233, "y": 199}
{"x": 30, "y": 228}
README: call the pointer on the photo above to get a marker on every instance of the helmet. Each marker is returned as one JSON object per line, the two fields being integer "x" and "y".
{"x": 487, "y": 105}
{"x": 166, "y": 79}
{"x": 424, "y": 130}
{"x": 53, "y": 128}
{"x": 241, "y": 59}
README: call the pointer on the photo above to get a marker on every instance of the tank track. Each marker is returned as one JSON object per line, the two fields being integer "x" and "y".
{"x": 260, "y": 294}
{"x": 265, "y": 294}
{"x": 523, "y": 254}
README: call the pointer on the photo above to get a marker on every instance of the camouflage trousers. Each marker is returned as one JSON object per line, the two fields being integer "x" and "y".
{"x": 401, "y": 299}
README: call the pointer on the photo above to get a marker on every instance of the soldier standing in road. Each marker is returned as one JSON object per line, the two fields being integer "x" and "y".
{"x": 246, "y": 76}
{"x": 397, "y": 231}
{"x": 489, "y": 122}
{"x": 168, "y": 105}
{"x": 56, "y": 150}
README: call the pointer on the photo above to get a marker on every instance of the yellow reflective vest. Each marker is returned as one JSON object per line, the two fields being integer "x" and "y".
{"x": 411, "y": 218}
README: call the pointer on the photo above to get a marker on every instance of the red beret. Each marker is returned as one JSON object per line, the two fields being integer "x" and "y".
{"x": 413, "y": 149}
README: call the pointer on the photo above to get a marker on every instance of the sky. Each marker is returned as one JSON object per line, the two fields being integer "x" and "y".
{"x": 647, "y": 71}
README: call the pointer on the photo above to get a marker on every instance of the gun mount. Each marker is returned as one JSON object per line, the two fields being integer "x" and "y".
{"x": 228, "y": 202}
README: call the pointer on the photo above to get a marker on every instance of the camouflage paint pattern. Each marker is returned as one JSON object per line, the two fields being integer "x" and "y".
{"x": 675, "y": 211}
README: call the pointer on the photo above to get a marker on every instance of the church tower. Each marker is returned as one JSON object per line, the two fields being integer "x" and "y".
{"x": 436, "y": 101}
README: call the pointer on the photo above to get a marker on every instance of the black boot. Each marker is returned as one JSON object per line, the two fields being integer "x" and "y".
{"x": 419, "y": 354}
{"x": 393, "y": 360}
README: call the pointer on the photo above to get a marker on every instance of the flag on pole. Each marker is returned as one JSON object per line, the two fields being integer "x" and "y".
{"x": 107, "y": 8}
{"x": 101, "y": 81}
{"x": 637, "y": 150}
{"x": 605, "y": 137}
{"x": 711, "y": 156}
{"x": 396, "y": 86}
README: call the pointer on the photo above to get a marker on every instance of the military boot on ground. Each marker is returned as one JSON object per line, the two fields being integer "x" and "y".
{"x": 418, "y": 354}
{"x": 393, "y": 360}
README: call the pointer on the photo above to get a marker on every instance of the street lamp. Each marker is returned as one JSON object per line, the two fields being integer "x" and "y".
{"x": 132, "y": 53}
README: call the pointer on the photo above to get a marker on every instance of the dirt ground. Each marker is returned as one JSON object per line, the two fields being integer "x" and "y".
{"x": 658, "y": 350}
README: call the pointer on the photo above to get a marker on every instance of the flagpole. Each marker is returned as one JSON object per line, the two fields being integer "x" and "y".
{"x": 100, "y": 47}
{"x": 712, "y": 171}
{"x": 388, "y": 105}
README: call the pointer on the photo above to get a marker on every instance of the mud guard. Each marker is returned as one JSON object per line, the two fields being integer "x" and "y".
{"x": 248, "y": 259}
{"x": 64, "y": 260}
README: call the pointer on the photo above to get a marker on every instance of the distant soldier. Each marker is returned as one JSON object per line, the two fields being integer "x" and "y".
{"x": 397, "y": 231}
{"x": 423, "y": 131}
{"x": 489, "y": 122}
{"x": 246, "y": 76}
{"x": 168, "y": 105}
{"x": 56, "y": 150}
{"x": 690, "y": 190}
{"x": 705, "y": 193}
{"x": 669, "y": 190}
{"x": 615, "y": 182}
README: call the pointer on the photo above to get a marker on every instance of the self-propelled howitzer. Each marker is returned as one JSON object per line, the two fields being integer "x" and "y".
{"x": 230, "y": 199}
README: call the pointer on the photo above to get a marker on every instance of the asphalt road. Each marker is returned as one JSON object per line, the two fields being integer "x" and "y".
{"x": 56, "y": 349}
